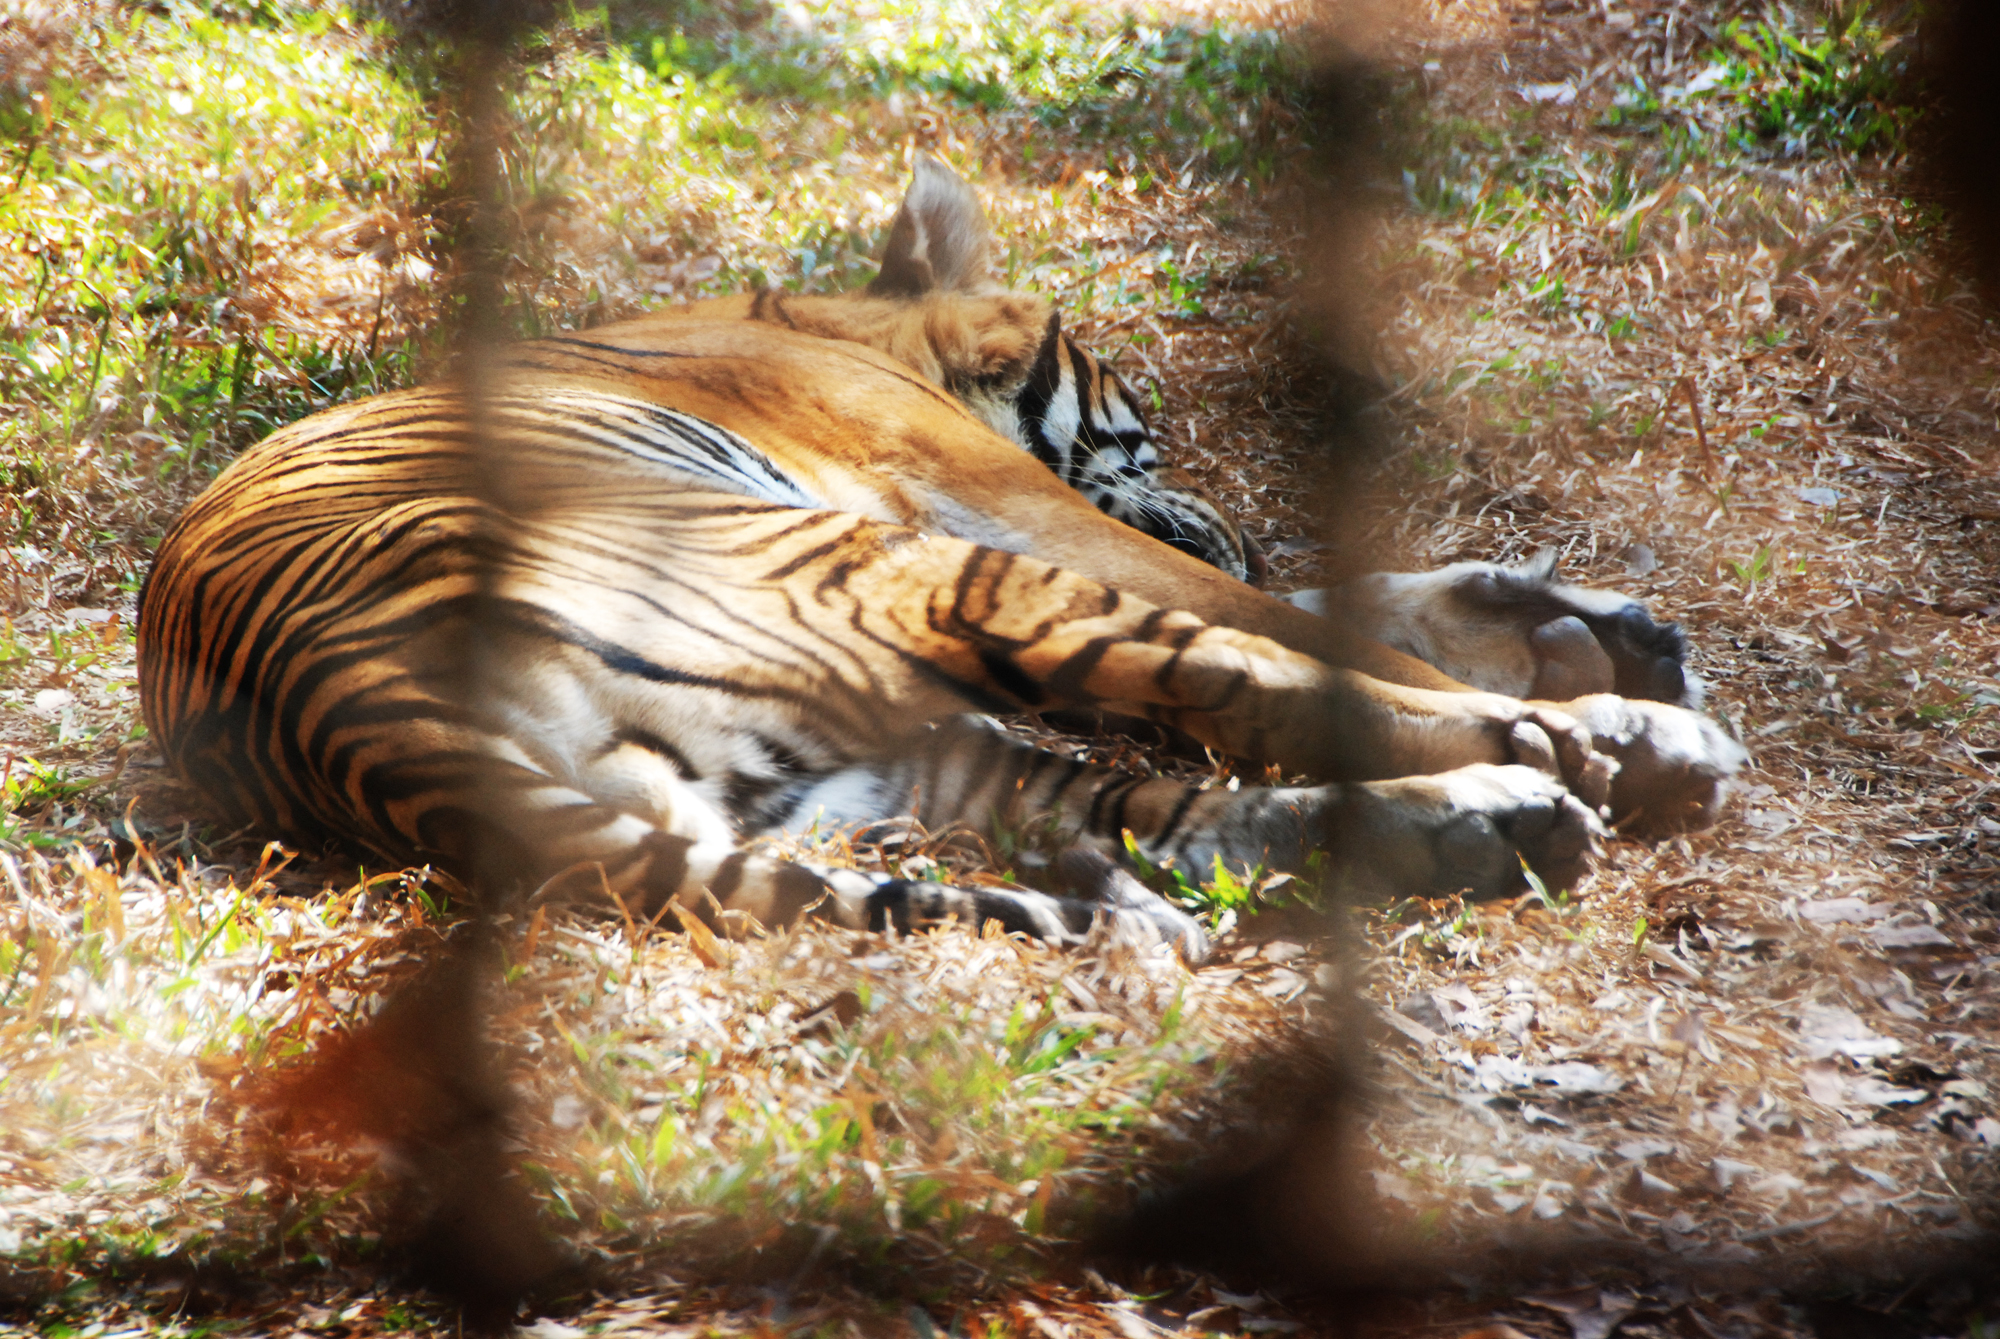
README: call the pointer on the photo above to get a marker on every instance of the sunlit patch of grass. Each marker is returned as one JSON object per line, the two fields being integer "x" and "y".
{"x": 1792, "y": 82}
{"x": 178, "y": 286}
{"x": 127, "y": 992}
{"x": 1094, "y": 73}
{"x": 32, "y": 799}
{"x": 949, "y": 1102}
{"x": 893, "y": 1118}
{"x": 643, "y": 150}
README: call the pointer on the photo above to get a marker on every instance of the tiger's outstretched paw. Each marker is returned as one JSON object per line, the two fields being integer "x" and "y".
{"x": 1516, "y": 630}
{"x": 1134, "y": 912}
{"x": 1564, "y": 749}
{"x": 1463, "y": 831}
{"x": 861, "y": 900}
{"x": 1674, "y": 766}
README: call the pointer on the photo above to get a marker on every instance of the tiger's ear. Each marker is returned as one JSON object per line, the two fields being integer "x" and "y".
{"x": 939, "y": 241}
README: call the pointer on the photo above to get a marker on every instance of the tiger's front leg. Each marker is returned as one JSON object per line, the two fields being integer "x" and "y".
{"x": 1016, "y": 633}
{"x": 1437, "y": 791}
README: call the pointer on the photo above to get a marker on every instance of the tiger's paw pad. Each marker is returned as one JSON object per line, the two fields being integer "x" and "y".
{"x": 1467, "y": 831}
{"x": 1674, "y": 766}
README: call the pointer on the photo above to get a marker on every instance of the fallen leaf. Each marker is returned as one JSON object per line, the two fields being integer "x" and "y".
{"x": 1728, "y": 1171}
{"x": 1779, "y": 1183}
{"x": 1644, "y": 1185}
{"x": 1833, "y": 1029}
{"x": 1842, "y": 910}
{"x": 1882, "y": 1179}
{"x": 1391, "y": 1186}
{"x": 1461, "y": 1008}
{"x": 1409, "y": 1027}
{"x": 1605, "y": 1312}
{"x": 549, "y": 1329}
{"x": 1823, "y": 1085}
{"x": 1915, "y": 934}
{"x": 1574, "y": 1076}
{"x": 1638, "y": 1150}
{"x": 1871, "y": 1091}
{"x": 1562, "y": 95}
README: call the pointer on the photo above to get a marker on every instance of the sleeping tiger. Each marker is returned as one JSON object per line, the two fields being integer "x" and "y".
{"x": 774, "y": 561}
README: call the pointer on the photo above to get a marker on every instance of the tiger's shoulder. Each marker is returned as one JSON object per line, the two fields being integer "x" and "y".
{"x": 964, "y": 344}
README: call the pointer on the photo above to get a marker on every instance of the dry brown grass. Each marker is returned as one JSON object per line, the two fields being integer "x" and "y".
{"x": 1801, "y": 1043}
{"x": 1739, "y": 1055}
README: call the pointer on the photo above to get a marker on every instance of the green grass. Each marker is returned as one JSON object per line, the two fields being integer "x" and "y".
{"x": 37, "y": 806}
{"x": 960, "y": 1128}
{"x": 1791, "y": 82}
{"x": 165, "y": 185}
{"x": 639, "y": 141}
{"x": 1095, "y": 75}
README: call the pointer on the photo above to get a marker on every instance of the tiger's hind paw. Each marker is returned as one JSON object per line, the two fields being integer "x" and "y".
{"x": 1101, "y": 891}
{"x": 1133, "y": 912}
{"x": 1463, "y": 831}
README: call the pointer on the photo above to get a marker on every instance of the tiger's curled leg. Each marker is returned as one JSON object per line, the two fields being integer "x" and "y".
{"x": 1459, "y": 831}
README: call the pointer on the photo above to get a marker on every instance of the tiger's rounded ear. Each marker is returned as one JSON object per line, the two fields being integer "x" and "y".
{"x": 939, "y": 241}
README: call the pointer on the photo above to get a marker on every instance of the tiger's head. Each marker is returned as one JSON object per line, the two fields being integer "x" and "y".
{"x": 936, "y": 307}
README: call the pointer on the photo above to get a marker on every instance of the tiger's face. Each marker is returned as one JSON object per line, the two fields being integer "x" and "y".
{"x": 1078, "y": 417}
{"x": 1007, "y": 359}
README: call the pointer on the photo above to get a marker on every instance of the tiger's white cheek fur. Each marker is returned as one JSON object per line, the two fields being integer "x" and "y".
{"x": 1063, "y": 419}
{"x": 1000, "y": 413}
{"x": 1116, "y": 418}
